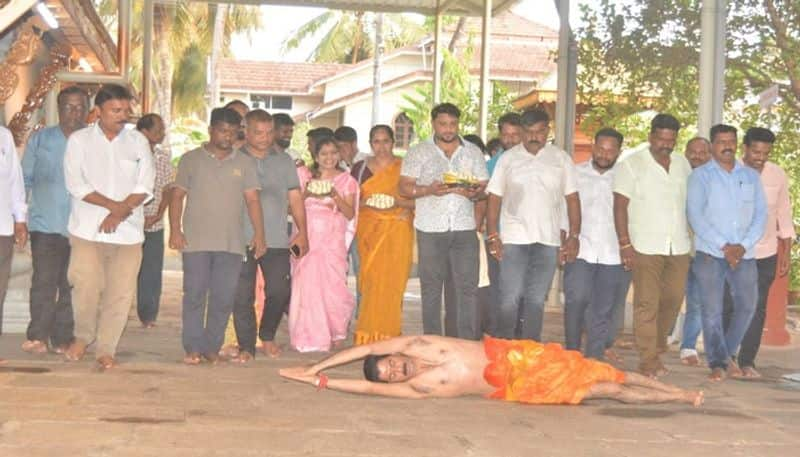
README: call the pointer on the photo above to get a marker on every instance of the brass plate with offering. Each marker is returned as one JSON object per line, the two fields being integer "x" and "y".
{"x": 452, "y": 179}
{"x": 380, "y": 201}
{"x": 319, "y": 187}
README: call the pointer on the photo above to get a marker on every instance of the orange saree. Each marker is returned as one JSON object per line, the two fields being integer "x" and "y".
{"x": 384, "y": 239}
{"x": 530, "y": 372}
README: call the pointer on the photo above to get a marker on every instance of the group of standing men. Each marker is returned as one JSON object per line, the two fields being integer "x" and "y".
{"x": 609, "y": 223}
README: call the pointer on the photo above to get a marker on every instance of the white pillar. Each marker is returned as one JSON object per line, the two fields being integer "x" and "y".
{"x": 437, "y": 60}
{"x": 147, "y": 58}
{"x": 376, "y": 70}
{"x": 567, "y": 64}
{"x": 712, "y": 64}
{"x": 486, "y": 85}
{"x": 51, "y": 106}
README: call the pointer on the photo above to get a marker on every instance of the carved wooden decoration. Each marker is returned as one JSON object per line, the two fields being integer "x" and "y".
{"x": 22, "y": 52}
{"x": 35, "y": 99}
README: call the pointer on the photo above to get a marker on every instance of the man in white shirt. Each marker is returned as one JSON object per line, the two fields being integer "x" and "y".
{"x": 109, "y": 173}
{"x": 593, "y": 283}
{"x": 650, "y": 189}
{"x": 13, "y": 210}
{"x": 527, "y": 192}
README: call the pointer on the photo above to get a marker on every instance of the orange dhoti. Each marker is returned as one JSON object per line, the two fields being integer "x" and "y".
{"x": 530, "y": 372}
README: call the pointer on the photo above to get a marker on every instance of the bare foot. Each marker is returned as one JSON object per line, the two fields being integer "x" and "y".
{"x": 34, "y": 347}
{"x": 271, "y": 349}
{"x": 62, "y": 349}
{"x": 192, "y": 358}
{"x": 696, "y": 398}
{"x": 750, "y": 372}
{"x": 148, "y": 324}
{"x": 75, "y": 351}
{"x": 717, "y": 375}
{"x": 106, "y": 362}
{"x": 244, "y": 357}
{"x": 230, "y": 351}
{"x": 612, "y": 356}
{"x": 692, "y": 360}
{"x": 652, "y": 374}
{"x": 734, "y": 371}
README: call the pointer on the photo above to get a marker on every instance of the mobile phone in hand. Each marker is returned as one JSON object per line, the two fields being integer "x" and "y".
{"x": 295, "y": 250}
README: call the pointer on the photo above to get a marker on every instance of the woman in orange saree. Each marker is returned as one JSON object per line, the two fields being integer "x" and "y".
{"x": 384, "y": 239}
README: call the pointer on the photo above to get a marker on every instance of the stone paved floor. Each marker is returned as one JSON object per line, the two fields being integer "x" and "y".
{"x": 151, "y": 405}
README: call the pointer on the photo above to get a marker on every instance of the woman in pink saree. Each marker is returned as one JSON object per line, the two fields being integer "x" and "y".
{"x": 321, "y": 304}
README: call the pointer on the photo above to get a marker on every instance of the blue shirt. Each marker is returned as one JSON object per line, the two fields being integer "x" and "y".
{"x": 43, "y": 169}
{"x": 726, "y": 208}
{"x": 491, "y": 163}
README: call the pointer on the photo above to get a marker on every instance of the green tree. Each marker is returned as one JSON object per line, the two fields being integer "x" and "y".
{"x": 460, "y": 89}
{"x": 349, "y": 35}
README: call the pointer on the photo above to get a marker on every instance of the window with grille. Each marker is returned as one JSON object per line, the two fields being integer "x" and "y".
{"x": 403, "y": 131}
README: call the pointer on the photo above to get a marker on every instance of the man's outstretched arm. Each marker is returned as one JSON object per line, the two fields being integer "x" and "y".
{"x": 358, "y": 386}
{"x": 389, "y": 346}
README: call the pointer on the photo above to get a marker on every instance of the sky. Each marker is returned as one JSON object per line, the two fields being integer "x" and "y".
{"x": 280, "y": 21}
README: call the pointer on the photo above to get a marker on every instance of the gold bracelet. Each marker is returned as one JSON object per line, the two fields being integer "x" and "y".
{"x": 626, "y": 246}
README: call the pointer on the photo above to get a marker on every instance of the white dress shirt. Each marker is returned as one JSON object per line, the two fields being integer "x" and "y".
{"x": 598, "y": 238}
{"x": 533, "y": 187}
{"x": 12, "y": 185}
{"x": 114, "y": 168}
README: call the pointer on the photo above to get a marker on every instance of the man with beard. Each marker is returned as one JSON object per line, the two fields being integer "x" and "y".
{"x": 445, "y": 222}
{"x": 217, "y": 182}
{"x": 698, "y": 152}
{"x": 108, "y": 170}
{"x": 242, "y": 109}
{"x": 280, "y": 188}
{"x": 43, "y": 167}
{"x": 773, "y": 251}
{"x": 284, "y": 131}
{"x": 528, "y": 192}
{"x": 653, "y": 235}
{"x": 728, "y": 213}
{"x": 596, "y": 280}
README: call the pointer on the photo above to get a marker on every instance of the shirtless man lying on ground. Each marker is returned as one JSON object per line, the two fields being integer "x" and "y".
{"x": 513, "y": 370}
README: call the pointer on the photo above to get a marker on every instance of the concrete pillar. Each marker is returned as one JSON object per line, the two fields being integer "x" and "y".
{"x": 712, "y": 64}
{"x": 437, "y": 60}
{"x": 486, "y": 84}
{"x": 147, "y": 57}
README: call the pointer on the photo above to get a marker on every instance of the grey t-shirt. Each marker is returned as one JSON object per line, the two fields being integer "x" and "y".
{"x": 277, "y": 175}
{"x": 215, "y": 203}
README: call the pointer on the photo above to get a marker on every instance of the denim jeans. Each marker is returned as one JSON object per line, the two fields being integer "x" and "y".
{"x": 712, "y": 274}
{"x": 590, "y": 293}
{"x": 526, "y": 273}
{"x": 52, "y": 320}
{"x": 453, "y": 254}
{"x": 751, "y": 342}
{"x": 209, "y": 287}
{"x": 618, "y": 311}
{"x": 149, "y": 290}
{"x": 693, "y": 321}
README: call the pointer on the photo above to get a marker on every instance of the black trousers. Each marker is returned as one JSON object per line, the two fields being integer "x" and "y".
{"x": 275, "y": 269}
{"x": 751, "y": 342}
{"x": 52, "y": 320}
{"x": 149, "y": 282}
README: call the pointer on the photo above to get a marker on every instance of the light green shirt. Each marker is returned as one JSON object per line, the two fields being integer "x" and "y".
{"x": 657, "y": 223}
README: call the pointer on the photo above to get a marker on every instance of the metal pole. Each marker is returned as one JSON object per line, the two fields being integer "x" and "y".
{"x": 376, "y": 71}
{"x": 437, "y": 60}
{"x": 486, "y": 85}
{"x": 712, "y": 64}
{"x": 147, "y": 57}
{"x": 562, "y": 121}
{"x": 124, "y": 38}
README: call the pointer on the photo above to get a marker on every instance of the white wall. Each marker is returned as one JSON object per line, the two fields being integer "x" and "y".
{"x": 362, "y": 79}
{"x": 359, "y": 114}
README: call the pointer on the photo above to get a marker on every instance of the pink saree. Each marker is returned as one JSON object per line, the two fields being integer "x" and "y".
{"x": 321, "y": 304}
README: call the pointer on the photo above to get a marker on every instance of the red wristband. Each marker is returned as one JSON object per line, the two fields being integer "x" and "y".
{"x": 323, "y": 381}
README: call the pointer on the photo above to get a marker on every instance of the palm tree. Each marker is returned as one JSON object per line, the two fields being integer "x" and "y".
{"x": 347, "y": 37}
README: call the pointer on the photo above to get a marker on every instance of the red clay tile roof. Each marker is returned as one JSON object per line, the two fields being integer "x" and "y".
{"x": 508, "y": 24}
{"x": 276, "y": 77}
{"x": 527, "y": 61}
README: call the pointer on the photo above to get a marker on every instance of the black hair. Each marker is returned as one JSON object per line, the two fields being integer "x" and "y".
{"x": 664, "y": 121}
{"x": 72, "y": 90}
{"x": 281, "y": 119}
{"x": 721, "y": 128}
{"x": 611, "y": 133}
{"x": 383, "y": 127}
{"x": 257, "y": 115}
{"x": 534, "y": 116}
{"x": 148, "y": 121}
{"x": 111, "y": 92}
{"x": 445, "y": 108}
{"x": 476, "y": 140}
{"x": 509, "y": 118}
{"x": 225, "y": 115}
{"x": 371, "y": 367}
{"x": 759, "y": 134}
{"x": 235, "y": 102}
{"x": 492, "y": 145}
{"x": 346, "y": 134}
{"x": 320, "y": 133}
